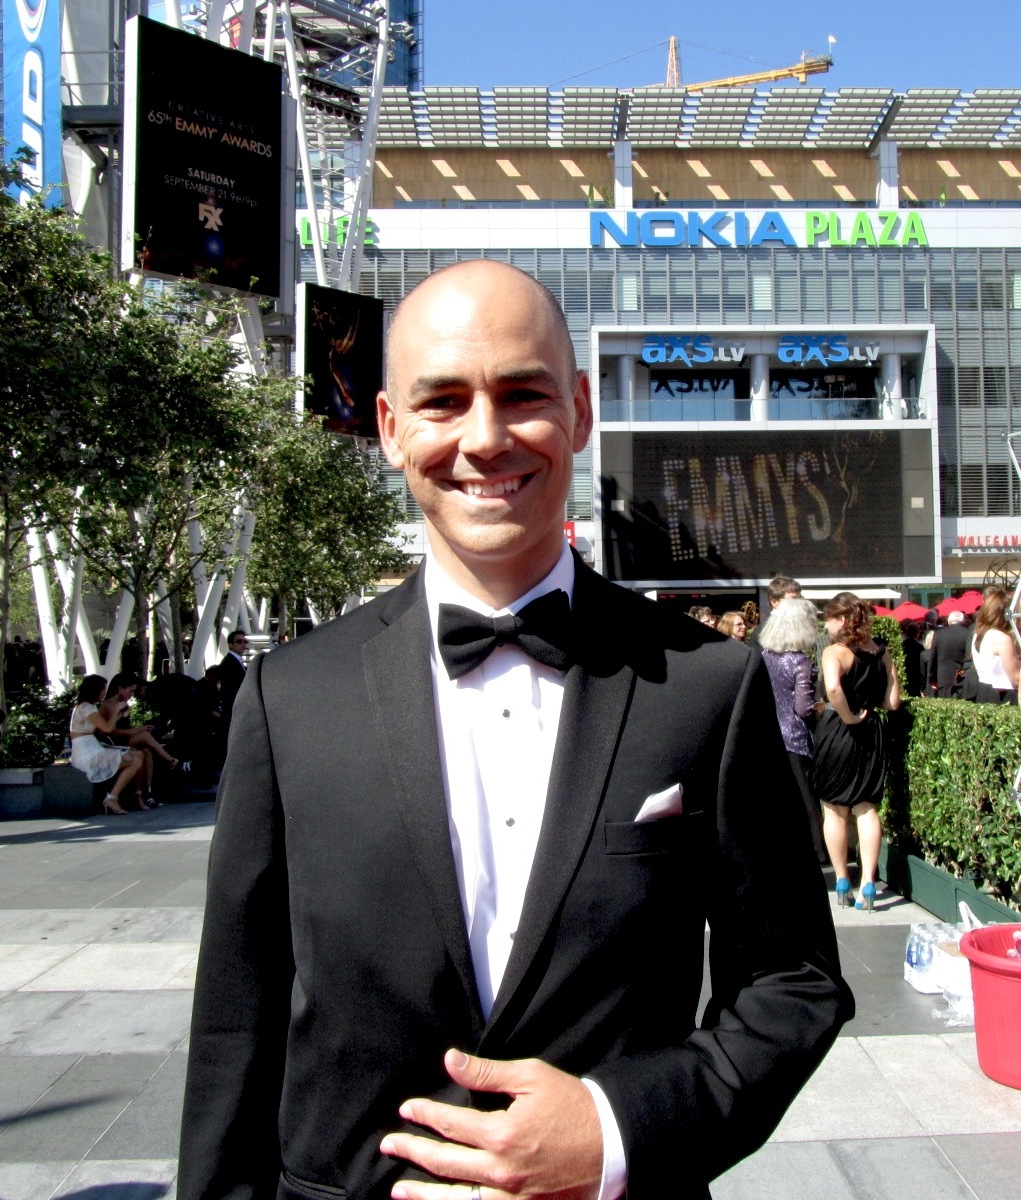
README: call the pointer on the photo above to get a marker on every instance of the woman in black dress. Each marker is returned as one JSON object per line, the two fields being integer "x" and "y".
{"x": 848, "y": 752}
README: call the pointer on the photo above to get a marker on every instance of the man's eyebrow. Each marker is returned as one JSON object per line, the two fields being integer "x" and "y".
{"x": 431, "y": 385}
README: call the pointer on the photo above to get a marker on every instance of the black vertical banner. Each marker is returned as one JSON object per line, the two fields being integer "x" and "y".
{"x": 340, "y": 347}
{"x": 203, "y": 160}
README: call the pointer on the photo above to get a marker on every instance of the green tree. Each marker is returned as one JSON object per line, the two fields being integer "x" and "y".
{"x": 58, "y": 303}
{"x": 324, "y": 525}
{"x": 172, "y": 439}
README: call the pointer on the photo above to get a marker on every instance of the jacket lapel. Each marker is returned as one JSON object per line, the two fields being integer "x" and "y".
{"x": 399, "y": 679}
{"x": 597, "y": 692}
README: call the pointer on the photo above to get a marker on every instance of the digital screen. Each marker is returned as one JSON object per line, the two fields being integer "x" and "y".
{"x": 827, "y": 504}
{"x": 341, "y": 351}
{"x": 203, "y": 155}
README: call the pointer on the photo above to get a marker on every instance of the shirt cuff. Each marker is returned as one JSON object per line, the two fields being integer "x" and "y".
{"x": 613, "y": 1182}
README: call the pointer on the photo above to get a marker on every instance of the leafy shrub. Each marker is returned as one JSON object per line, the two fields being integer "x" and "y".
{"x": 887, "y": 630}
{"x": 952, "y": 765}
{"x": 36, "y": 728}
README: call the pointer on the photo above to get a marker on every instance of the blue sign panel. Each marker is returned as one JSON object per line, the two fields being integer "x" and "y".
{"x": 32, "y": 94}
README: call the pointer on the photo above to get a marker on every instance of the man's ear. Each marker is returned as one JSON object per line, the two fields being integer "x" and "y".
{"x": 582, "y": 412}
{"x": 387, "y": 421}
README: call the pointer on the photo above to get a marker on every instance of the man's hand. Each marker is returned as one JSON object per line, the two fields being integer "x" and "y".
{"x": 546, "y": 1143}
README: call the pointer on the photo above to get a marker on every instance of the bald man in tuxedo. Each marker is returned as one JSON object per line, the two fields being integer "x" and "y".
{"x": 469, "y": 837}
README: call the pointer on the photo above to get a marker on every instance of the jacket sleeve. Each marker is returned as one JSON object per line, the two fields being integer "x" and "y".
{"x": 690, "y": 1111}
{"x": 229, "y": 1139}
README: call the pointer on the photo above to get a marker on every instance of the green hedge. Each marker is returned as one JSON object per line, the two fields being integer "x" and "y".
{"x": 951, "y": 769}
{"x": 36, "y": 727}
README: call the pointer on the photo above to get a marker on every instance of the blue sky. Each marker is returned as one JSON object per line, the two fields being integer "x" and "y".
{"x": 880, "y": 43}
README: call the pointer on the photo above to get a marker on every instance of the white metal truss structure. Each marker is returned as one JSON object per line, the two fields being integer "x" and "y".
{"x": 334, "y": 56}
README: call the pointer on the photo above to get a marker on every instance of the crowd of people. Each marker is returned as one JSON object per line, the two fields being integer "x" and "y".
{"x": 830, "y": 689}
{"x": 186, "y": 739}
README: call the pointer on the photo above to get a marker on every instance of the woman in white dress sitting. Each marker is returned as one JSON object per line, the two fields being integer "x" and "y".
{"x": 98, "y": 761}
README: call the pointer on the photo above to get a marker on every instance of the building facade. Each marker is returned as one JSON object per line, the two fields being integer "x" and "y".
{"x": 801, "y": 312}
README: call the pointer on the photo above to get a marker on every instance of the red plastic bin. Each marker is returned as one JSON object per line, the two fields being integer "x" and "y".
{"x": 996, "y": 986}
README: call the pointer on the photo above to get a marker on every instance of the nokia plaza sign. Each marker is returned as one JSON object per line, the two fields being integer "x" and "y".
{"x": 735, "y": 228}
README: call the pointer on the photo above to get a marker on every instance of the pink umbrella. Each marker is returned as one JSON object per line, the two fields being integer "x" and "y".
{"x": 909, "y": 611}
{"x": 968, "y": 603}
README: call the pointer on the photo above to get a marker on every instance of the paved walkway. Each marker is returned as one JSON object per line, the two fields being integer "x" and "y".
{"x": 99, "y": 924}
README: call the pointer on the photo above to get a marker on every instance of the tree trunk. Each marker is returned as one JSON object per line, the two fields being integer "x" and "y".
{"x": 174, "y": 600}
{"x": 6, "y": 550}
{"x": 142, "y": 629}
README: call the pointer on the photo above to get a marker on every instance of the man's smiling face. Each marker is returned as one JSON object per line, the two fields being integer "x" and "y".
{"x": 484, "y": 413}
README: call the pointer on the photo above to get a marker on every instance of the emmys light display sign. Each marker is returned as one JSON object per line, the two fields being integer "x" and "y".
{"x": 826, "y": 504}
{"x": 340, "y": 350}
{"x": 203, "y": 130}
{"x": 31, "y": 94}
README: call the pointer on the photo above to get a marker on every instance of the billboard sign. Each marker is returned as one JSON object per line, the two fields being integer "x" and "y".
{"x": 31, "y": 95}
{"x": 840, "y": 503}
{"x": 738, "y": 227}
{"x": 340, "y": 350}
{"x": 203, "y": 155}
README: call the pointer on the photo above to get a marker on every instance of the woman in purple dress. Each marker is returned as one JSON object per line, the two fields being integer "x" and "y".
{"x": 791, "y": 631}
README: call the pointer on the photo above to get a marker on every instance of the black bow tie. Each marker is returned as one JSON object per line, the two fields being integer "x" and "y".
{"x": 541, "y": 629}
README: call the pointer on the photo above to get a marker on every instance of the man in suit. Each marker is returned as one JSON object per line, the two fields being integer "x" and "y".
{"x": 467, "y": 845}
{"x": 948, "y": 655}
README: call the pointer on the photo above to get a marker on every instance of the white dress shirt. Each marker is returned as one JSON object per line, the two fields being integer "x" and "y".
{"x": 497, "y": 728}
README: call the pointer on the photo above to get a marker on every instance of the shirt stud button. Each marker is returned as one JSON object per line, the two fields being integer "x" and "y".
{"x": 510, "y": 822}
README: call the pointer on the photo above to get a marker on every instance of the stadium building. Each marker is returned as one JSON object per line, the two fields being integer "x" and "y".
{"x": 800, "y": 309}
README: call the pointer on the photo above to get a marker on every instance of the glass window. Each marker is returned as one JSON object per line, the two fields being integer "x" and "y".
{"x": 973, "y": 501}
{"x": 949, "y": 502}
{"x": 838, "y": 289}
{"x": 994, "y": 386}
{"x": 735, "y": 292}
{"x": 762, "y": 292}
{"x": 891, "y": 295}
{"x": 992, "y": 290}
{"x": 864, "y": 288}
{"x": 966, "y": 289}
{"x": 682, "y": 291}
{"x": 627, "y": 292}
{"x": 967, "y": 386}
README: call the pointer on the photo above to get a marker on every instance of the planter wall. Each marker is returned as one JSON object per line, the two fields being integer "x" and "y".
{"x": 937, "y": 890}
{"x": 55, "y": 791}
{"x": 21, "y": 793}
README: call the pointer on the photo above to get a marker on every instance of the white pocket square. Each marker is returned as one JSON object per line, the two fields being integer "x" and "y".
{"x": 667, "y": 803}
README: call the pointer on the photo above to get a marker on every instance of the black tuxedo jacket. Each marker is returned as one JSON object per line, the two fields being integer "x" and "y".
{"x": 232, "y": 676}
{"x": 335, "y": 968}
{"x": 950, "y": 650}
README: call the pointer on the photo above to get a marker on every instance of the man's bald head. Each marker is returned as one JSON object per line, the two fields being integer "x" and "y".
{"x": 544, "y": 298}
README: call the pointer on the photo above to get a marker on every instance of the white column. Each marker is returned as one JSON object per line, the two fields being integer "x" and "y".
{"x": 888, "y": 181}
{"x": 623, "y": 192}
{"x": 891, "y": 388}
{"x": 626, "y": 379}
{"x": 759, "y": 365}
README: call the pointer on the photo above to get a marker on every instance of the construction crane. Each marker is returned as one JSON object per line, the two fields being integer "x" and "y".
{"x": 814, "y": 64}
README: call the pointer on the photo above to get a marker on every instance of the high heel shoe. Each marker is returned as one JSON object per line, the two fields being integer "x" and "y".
{"x": 112, "y": 805}
{"x": 845, "y": 897}
{"x": 868, "y": 895}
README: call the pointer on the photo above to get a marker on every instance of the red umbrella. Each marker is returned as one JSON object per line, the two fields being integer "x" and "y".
{"x": 968, "y": 603}
{"x": 880, "y": 611}
{"x": 909, "y": 611}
